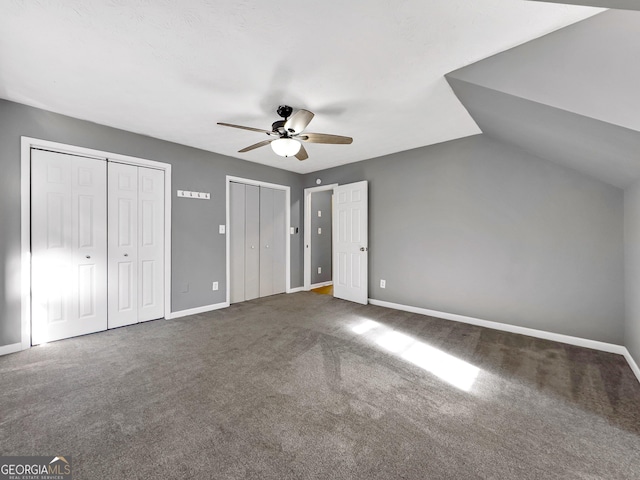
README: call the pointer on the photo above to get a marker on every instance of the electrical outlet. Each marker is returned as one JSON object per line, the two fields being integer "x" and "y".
{"x": 319, "y": 270}
{"x": 222, "y": 229}
{"x": 319, "y": 231}
{"x": 383, "y": 284}
{"x": 215, "y": 286}
{"x": 319, "y": 213}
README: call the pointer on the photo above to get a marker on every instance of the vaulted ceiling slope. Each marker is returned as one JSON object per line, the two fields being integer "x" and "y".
{"x": 372, "y": 70}
{"x": 571, "y": 96}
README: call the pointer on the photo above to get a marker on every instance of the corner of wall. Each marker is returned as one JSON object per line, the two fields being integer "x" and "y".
{"x": 632, "y": 273}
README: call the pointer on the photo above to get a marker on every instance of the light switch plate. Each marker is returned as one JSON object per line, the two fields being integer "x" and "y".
{"x": 319, "y": 231}
{"x": 222, "y": 229}
{"x": 319, "y": 213}
{"x": 383, "y": 284}
{"x": 214, "y": 287}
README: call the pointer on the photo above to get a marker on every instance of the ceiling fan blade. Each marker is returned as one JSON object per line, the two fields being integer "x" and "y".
{"x": 298, "y": 121}
{"x": 325, "y": 138}
{"x": 245, "y": 128}
{"x": 302, "y": 154}
{"x": 255, "y": 145}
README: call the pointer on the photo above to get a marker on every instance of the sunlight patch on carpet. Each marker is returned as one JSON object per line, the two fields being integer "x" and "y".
{"x": 449, "y": 368}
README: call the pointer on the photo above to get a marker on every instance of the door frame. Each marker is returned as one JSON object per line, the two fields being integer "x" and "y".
{"x": 287, "y": 223}
{"x": 26, "y": 144}
{"x": 307, "y": 234}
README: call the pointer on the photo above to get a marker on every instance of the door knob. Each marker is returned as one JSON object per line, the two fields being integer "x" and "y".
{"x": 88, "y": 256}
{"x": 126, "y": 254}
{"x": 363, "y": 249}
{"x": 267, "y": 246}
{"x": 253, "y": 246}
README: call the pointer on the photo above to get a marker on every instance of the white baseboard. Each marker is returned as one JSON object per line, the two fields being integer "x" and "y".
{"x": 632, "y": 363}
{"x": 320, "y": 285}
{"x": 13, "y": 348}
{"x": 295, "y": 290}
{"x": 195, "y": 311}
{"x": 557, "y": 337}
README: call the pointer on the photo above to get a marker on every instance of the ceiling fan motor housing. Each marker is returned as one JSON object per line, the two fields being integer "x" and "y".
{"x": 285, "y": 111}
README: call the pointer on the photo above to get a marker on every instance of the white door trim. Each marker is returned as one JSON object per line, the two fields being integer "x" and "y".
{"x": 287, "y": 221}
{"x": 27, "y": 143}
{"x": 307, "y": 231}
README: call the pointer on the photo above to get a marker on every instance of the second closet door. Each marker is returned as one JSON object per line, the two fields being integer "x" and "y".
{"x": 136, "y": 244}
{"x": 258, "y": 241}
{"x": 252, "y": 243}
{"x": 272, "y": 241}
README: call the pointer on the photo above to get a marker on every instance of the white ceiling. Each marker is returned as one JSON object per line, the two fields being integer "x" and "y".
{"x": 371, "y": 69}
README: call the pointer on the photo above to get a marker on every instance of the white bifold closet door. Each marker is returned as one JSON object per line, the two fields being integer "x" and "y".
{"x": 68, "y": 246}
{"x": 252, "y": 229}
{"x": 136, "y": 244}
{"x": 272, "y": 241}
{"x": 258, "y": 232}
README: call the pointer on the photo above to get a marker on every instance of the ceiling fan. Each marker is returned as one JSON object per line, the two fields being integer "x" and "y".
{"x": 288, "y": 133}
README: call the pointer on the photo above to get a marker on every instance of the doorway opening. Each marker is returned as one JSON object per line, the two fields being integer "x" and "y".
{"x": 318, "y": 238}
{"x": 349, "y": 248}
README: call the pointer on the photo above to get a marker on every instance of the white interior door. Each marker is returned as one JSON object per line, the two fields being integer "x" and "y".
{"x": 150, "y": 244}
{"x": 68, "y": 246}
{"x": 350, "y": 242}
{"x": 123, "y": 244}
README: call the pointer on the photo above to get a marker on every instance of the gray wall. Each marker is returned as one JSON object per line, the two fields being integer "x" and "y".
{"x": 477, "y": 228}
{"x": 632, "y": 269}
{"x": 197, "y": 248}
{"x": 471, "y": 226}
{"x": 321, "y": 244}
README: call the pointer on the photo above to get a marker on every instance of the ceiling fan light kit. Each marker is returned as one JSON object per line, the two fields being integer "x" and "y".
{"x": 288, "y": 134}
{"x": 286, "y": 147}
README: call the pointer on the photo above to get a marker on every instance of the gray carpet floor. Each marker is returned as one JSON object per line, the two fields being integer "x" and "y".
{"x": 306, "y": 386}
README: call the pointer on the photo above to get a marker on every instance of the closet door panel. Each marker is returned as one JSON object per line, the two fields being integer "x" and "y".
{"x": 279, "y": 241}
{"x": 123, "y": 244}
{"x": 266, "y": 241}
{"x": 150, "y": 244}
{"x": 68, "y": 246}
{"x": 252, "y": 242}
{"x": 237, "y": 240}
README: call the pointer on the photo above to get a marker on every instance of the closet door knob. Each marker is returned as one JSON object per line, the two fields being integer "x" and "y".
{"x": 126, "y": 254}
{"x": 88, "y": 256}
{"x": 267, "y": 246}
